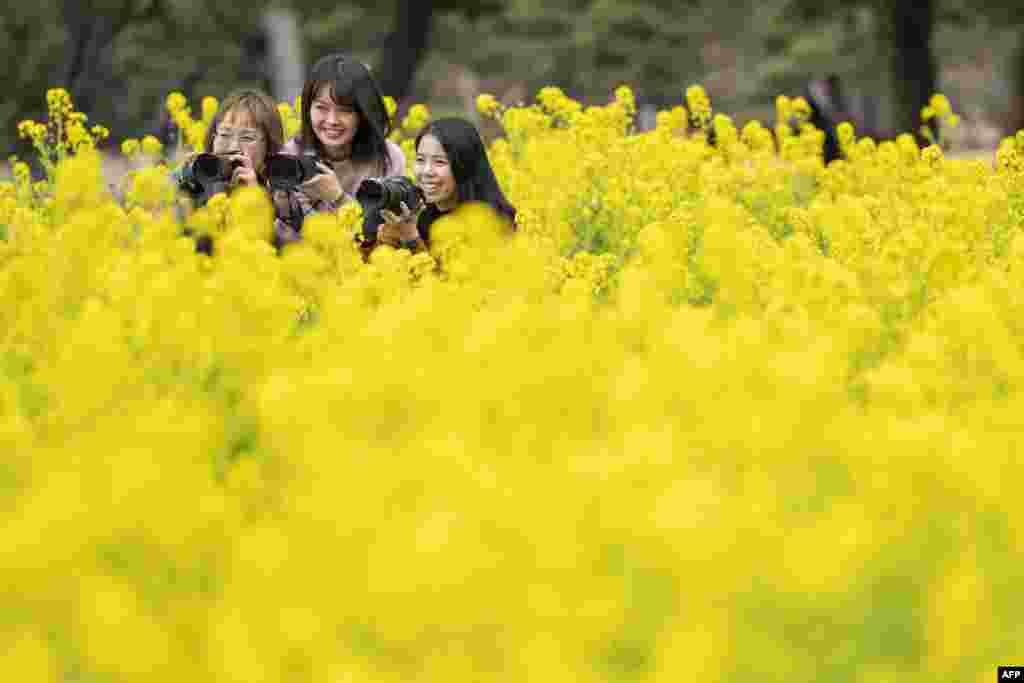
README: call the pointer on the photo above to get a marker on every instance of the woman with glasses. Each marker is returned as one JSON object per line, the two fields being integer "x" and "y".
{"x": 245, "y": 131}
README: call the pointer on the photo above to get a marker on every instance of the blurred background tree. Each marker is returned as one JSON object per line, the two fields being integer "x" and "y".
{"x": 120, "y": 58}
{"x": 897, "y": 53}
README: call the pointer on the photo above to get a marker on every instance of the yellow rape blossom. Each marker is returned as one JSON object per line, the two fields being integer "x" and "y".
{"x": 624, "y": 96}
{"x": 719, "y": 366}
{"x": 151, "y": 146}
{"x": 801, "y": 109}
{"x": 699, "y": 104}
{"x": 783, "y": 108}
{"x": 937, "y": 116}
{"x": 130, "y": 147}
{"x": 675, "y": 120}
{"x": 390, "y": 106}
{"x": 210, "y": 105}
{"x": 487, "y": 105}
{"x": 175, "y": 103}
{"x": 58, "y": 102}
{"x": 417, "y": 117}
{"x": 931, "y": 154}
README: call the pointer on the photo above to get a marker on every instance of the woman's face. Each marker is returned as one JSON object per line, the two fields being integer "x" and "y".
{"x": 334, "y": 125}
{"x": 238, "y": 133}
{"x": 434, "y": 174}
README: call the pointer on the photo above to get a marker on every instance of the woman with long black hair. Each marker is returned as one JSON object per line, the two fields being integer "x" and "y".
{"x": 345, "y": 125}
{"x": 451, "y": 168}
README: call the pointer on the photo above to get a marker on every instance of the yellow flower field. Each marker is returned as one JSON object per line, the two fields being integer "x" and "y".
{"x": 716, "y": 413}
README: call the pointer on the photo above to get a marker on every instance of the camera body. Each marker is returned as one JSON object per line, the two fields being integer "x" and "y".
{"x": 375, "y": 194}
{"x": 287, "y": 172}
{"x": 210, "y": 174}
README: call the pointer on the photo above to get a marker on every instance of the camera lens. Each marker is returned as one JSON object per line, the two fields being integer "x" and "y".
{"x": 371, "y": 189}
{"x": 283, "y": 171}
{"x": 211, "y": 168}
{"x": 390, "y": 193}
{"x": 286, "y": 172}
{"x": 206, "y": 168}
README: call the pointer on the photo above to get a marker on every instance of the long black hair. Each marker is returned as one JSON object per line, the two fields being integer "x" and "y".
{"x": 352, "y": 85}
{"x": 467, "y": 157}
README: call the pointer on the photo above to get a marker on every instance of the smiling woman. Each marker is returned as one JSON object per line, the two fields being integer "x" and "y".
{"x": 246, "y": 129}
{"x": 345, "y": 125}
{"x": 244, "y": 132}
{"x": 452, "y": 168}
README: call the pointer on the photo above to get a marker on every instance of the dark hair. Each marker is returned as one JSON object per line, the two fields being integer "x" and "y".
{"x": 263, "y": 110}
{"x": 467, "y": 157}
{"x": 351, "y": 84}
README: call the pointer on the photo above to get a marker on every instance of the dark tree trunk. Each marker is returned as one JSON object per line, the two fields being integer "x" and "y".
{"x": 286, "y": 63}
{"x": 405, "y": 47}
{"x": 88, "y": 71}
{"x": 254, "y": 58}
{"x": 88, "y": 67}
{"x": 1016, "y": 118}
{"x": 915, "y": 76}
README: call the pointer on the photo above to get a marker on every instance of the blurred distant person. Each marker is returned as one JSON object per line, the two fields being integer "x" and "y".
{"x": 829, "y": 108}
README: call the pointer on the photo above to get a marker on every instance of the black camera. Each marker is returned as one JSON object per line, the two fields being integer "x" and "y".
{"x": 213, "y": 168}
{"x": 209, "y": 174}
{"x": 287, "y": 172}
{"x": 388, "y": 193}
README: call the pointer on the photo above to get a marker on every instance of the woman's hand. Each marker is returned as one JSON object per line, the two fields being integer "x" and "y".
{"x": 397, "y": 229}
{"x": 324, "y": 186}
{"x": 244, "y": 173}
